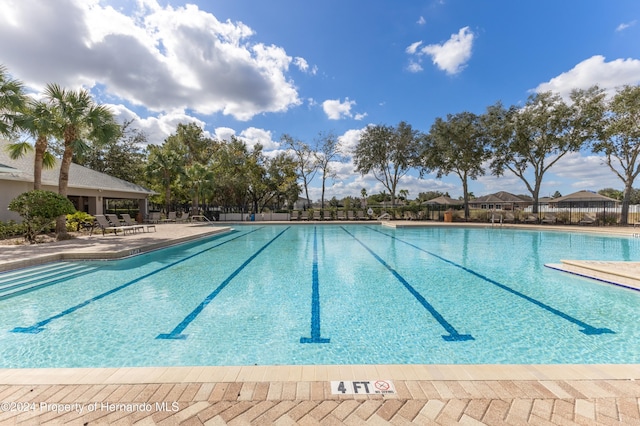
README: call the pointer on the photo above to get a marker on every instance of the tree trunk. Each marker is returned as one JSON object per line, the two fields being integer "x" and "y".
{"x": 41, "y": 147}
{"x": 63, "y": 188}
{"x": 465, "y": 194}
{"x": 322, "y": 198}
{"x": 626, "y": 198}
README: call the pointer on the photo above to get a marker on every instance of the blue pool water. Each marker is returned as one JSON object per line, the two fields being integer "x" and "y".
{"x": 330, "y": 294}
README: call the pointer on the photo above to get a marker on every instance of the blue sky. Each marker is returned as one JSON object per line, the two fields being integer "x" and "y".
{"x": 258, "y": 69}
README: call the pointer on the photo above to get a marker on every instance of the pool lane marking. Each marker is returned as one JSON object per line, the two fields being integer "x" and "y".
{"x": 38, "y": 327}
{"x": 176, "y": 333}
{"x": 315, "y": 298}
{"x": 587, "y": 329}
{"x": 453, "y": 333}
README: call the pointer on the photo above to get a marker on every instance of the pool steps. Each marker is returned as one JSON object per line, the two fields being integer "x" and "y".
{"x": 23, "y": 281}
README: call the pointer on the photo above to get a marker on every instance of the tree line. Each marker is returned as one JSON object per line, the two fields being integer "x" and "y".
{"x": 195, "y": 171}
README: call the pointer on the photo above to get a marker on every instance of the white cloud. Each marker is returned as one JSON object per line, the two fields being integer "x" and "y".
{"x": 336, "y": 109}
{"x": 303, "y": 65}
{"x": 413, "y": 47}
{"x": 224, "y": 133}
{"x": 453, "y": 55}
{"x": 253, "y": 136}
{"x": 349, "y": 140}
{"x": 414, "y": 67}
{"x": 625, "y": 25}
{"x": 421, "y": 21}
{"x": 162, "y": 57}
{"x": 607, "y": 75}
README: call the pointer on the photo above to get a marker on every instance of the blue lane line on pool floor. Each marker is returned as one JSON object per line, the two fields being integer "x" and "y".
{"x": 587, "y": 329}
{"x": 315, "y": 298}
{"x": 176, "y": 333}
{"x": 453, "y": 333}
{"x": 37, "y": 328}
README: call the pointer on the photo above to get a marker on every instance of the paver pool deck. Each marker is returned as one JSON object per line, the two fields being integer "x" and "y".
{"x": 289, "y": 395}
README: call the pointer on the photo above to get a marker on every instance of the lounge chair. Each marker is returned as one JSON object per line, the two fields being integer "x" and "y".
{"x": 326, "y": 215}
{"x": 294, "y": 215}
{"x": 360, "y": 215}
{"x": 154, "y": 217}
{"x": 316, "y": 215}
{"x": 508, "y": 217}
{"x": 171, "y": 217}
{"x": 128, "y": 221}
{"x": 588, "y": 219}
{"x": 304, "y": 215}
{"x": 350, "y": 215}
{"x": 549, "y": 218}
{"x": 340, "y": 215}
{"x": 531, "y": 219}
{"x": 113, "y": 219}
{"x": 184, "y": 218}
{"x": 104, "y": 224}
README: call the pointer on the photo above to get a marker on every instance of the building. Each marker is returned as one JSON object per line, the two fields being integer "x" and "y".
{"x": 89, "y": 191}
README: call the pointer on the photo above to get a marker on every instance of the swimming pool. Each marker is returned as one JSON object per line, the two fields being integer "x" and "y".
{"x": 329, "y": 294}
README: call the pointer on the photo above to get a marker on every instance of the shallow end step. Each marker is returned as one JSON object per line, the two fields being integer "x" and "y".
{"x": 606, "y": 272}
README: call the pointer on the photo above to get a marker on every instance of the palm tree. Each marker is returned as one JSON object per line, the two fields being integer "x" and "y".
{"x": 12, "y": 100}
{"x": 39, "y": 121}
{"x": 79, "y": 119}
{"x": 199, "y": 178}
{"x": 164, "y": 166}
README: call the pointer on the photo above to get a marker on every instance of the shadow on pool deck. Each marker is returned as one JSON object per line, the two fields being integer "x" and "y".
{"x": 425, "y": 394}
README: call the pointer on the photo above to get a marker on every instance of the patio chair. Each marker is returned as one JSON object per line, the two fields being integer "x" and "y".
{"x": 340, "y": 215}
{"x": 588, "y": 219}
{"x": 549, "y": 218}
{"x": 171, "y": 217}
{"x": 104, "y": 224}
{"x": 360, "y": 215}
{"x": 294, "y": 215}
{"x": 128, "y": 220}
{"x": 531, "y": 219}
{"x": 350, "y": 215}
{"x": 113, "y": 219}
{"x": 304, "y": 215}
{"x": 316, "y": 215}
{"x": 183, "y": 218}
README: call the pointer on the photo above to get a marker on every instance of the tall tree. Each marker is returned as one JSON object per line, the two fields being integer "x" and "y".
{"x": 328, "y": 152}
{"x": 164, "y": 166}
{"x": 306, "y": 163}
{"x": 39, "y": 121}
{"x": 123, "y": 157}
{"x": 12, "y": 100}
{"x": 80, "y": 120}
{"x": 535, "y": 137}
{"x": 620, "y": 140}
{"x": 456, "y": 145}
{"x": 389, "y": 153}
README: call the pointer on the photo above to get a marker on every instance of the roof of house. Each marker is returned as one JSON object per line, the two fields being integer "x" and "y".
{"x": 500, "y": 197}
{"x": 583, "y": 196}
{"x": 444, "y": 200}
{"x": 21, "y": 169}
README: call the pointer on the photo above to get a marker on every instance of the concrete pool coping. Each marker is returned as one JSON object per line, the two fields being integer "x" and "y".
{"x": 440, "y": 394}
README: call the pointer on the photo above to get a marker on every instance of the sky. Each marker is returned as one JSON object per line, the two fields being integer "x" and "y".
{"x": 259, "y": 69}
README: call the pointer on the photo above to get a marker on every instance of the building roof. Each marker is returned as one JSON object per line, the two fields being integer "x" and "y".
{"x": 79, "y": 176}
{"x": 583, "y": 196}
{"x": 444, "y": 200}
{"x": 500, "y": 197}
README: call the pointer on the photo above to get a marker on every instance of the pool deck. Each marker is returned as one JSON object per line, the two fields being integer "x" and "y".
{"x": 290, "y": 395}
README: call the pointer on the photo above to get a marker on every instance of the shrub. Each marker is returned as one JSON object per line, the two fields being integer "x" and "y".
{"x": 39, "y": 209}
{"x": 75, "y": 220}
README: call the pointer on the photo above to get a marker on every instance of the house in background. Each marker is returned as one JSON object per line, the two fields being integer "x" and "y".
{"x": 89, "y": 191}
{"x": 499, "y": 201}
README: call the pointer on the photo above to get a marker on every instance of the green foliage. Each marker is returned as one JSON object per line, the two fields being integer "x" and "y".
{"x": 75, "y": 220}
{"x": 11, "y": 229}
{"x": 39, "y": 209}
{"x": 389, "y": 153}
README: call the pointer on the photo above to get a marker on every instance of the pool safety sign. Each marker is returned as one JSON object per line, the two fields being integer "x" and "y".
{"x": 362, "y": 387}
